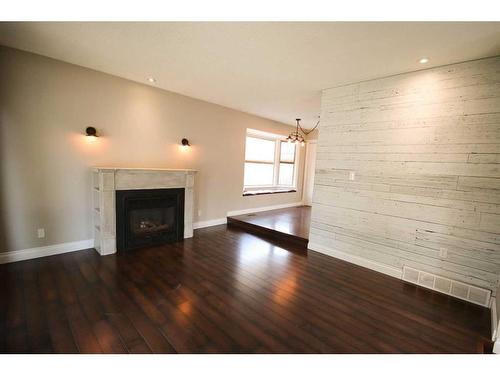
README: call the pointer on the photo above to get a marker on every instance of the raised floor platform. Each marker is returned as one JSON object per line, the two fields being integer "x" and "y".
{"x": 290, "y": 225}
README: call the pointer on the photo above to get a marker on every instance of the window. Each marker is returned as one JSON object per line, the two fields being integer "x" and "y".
{"x": 270, "y": 164}
{"x": 259, "y": 161}
{"x": 287, "y": 163}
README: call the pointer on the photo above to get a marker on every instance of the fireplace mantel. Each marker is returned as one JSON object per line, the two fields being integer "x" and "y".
{"x": 107, "y": 180}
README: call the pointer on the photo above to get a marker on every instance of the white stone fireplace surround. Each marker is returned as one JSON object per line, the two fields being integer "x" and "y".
{"x": 106, "y": 181}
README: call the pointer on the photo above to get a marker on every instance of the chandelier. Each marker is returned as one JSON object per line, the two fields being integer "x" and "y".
{"x": 296, "y": 136}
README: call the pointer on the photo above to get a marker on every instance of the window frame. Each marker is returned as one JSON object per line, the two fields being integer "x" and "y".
{"x": 275, "y": 187}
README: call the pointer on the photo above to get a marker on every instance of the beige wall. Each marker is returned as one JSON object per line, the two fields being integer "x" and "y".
{"x": 45, "y": 105}
{"x": 425, "y": 151}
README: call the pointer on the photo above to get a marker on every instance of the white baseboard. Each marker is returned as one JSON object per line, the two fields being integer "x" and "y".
{"x": 209, "y": 223}
{"x": 261, "y": 209}
{"x": 37, "y": 252}
{"x": 391, "y": 271}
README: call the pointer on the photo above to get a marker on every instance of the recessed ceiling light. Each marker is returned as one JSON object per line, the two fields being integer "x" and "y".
{"x": 423, "y": 60}
{"x": 151, "y": 79}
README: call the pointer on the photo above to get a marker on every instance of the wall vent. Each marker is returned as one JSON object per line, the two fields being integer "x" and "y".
{"x": 451, "y": 287}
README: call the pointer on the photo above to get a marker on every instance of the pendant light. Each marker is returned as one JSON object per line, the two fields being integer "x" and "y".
{"x": 296, "y": 136}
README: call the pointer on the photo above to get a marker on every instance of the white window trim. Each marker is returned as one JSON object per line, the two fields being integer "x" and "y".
{"x": 275, "y": 187}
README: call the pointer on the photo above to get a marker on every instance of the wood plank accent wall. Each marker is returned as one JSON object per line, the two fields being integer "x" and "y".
{"x": 408, "y": 173}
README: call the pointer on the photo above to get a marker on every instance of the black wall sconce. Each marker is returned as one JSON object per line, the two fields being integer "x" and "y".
{"x": 184, "y": 146}
{"x": 91, "y": 132}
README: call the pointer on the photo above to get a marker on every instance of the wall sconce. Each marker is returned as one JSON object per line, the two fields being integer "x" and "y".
{"x": 91, "y": 132}
{"x": 184, "y": 146}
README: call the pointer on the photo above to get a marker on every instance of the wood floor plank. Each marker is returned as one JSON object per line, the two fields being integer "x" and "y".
{"x": 36, "y": 321}
{"x": 148, "y": 336}
{"x": 15, "y": 311}
{"x": 59, "y": 329}
{"x": 82, "y": 331}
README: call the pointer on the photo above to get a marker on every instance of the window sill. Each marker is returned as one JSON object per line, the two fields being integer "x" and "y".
{"x": 268, "y": 191}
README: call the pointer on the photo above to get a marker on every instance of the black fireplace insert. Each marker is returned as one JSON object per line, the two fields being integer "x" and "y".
{"x": 149, "y": 217}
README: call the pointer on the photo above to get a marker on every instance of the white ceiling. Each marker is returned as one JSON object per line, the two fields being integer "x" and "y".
{"x": 271, "y": 69}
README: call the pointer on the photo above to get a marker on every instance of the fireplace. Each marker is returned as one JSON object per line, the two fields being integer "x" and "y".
{"x": 149, "y": 217}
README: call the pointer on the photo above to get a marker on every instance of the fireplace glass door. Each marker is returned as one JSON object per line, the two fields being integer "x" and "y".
{"x": 149, "y": 217}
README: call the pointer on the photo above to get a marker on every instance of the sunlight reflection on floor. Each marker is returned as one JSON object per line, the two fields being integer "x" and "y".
{"x": 252, "y": 249}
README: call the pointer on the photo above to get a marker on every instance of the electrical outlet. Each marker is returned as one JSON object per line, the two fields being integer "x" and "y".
{"x": 443, "y": 253}
{"x": 352, "y": 175}
{"x": 41, "y": 232}
{"x": 199, "y": 213}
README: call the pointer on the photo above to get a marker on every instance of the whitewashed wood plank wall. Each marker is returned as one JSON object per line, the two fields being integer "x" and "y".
{"x": 424, "y": 148}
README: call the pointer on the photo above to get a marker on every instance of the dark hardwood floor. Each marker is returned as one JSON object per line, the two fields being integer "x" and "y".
{"x": 225, "y": 291}
{"x": 287, "y": 225}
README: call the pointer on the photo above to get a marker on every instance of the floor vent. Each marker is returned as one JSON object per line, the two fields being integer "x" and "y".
{"x": 453, "y": 288}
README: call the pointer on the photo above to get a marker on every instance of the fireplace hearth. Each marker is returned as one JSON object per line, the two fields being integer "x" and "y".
{"x": 149, "y": 217}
